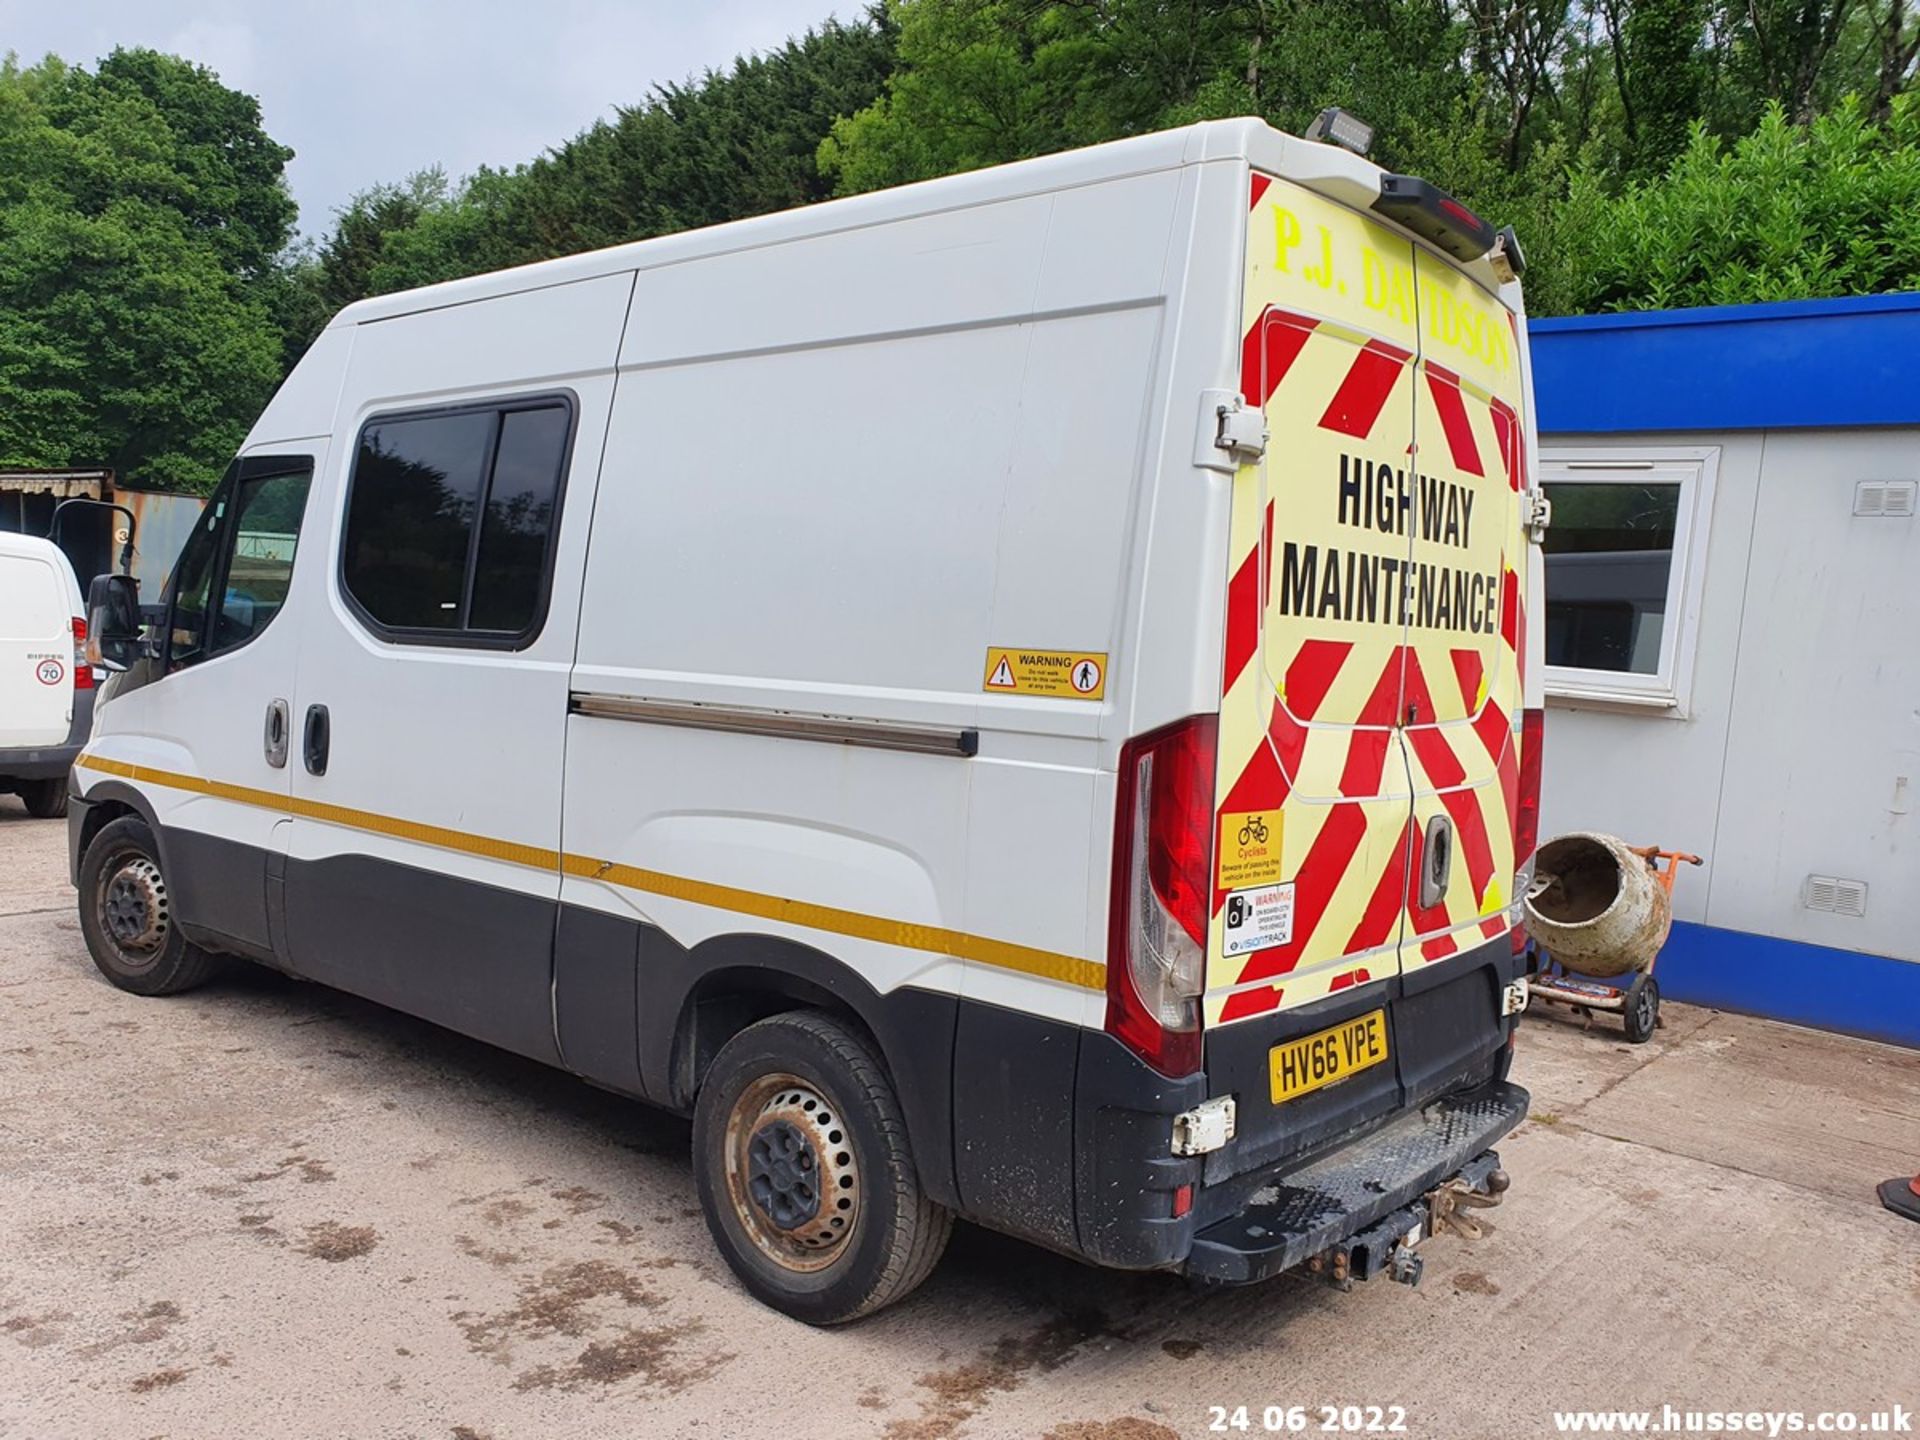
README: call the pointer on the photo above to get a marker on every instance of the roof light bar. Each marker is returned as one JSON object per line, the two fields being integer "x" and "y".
{"x": 1347, "y": 131}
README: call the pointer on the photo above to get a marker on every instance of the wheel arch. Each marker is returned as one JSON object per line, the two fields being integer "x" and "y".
{"x": 731, "y": 981}
{"x": 99, "y": 807}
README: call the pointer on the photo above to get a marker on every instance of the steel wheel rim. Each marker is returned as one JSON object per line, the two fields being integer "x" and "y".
{"x": 133, "y": 909}
{"x": 792, "y": 1173}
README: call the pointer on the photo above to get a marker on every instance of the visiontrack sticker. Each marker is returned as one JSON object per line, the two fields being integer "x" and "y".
{"x": 1061, "y": 674}
{"x": 1258, "y": 919}
{"x": 1249, "y": 849}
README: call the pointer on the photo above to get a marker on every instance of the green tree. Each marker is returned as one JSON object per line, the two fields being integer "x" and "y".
{"x": 1784, "y": 213}
{"x": 133, "y": 328}
{"x": 1656, "y": 48}
{"x": 222, "y": 172}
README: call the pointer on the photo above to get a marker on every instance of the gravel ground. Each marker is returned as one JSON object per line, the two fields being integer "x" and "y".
{"x": 268, "y": 1208}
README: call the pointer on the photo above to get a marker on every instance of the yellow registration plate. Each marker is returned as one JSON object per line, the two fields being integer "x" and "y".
{"x": 1317, "y": 1060}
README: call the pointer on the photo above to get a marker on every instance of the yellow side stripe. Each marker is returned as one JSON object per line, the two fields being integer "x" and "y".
{"x": 934, "y": 939}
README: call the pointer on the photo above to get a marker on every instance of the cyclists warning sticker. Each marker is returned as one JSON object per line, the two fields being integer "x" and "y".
{"x": 1065, "y": 674}
{"x": 1249, "y": 849}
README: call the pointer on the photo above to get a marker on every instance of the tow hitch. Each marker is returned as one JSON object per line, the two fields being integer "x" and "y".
{"x": 1387, "y": 1246}
{"x": 1446, "y": 1204}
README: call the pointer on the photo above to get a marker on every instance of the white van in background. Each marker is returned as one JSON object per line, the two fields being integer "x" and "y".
{"x": 46, "y": 687}
{"x": 1007, "y": 698}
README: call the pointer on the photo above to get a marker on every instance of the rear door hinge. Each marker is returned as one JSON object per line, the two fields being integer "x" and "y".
{"x": 1539, "y": 514}
{"x": 1230, "y": 434}
{"x": 1513, "y": 999}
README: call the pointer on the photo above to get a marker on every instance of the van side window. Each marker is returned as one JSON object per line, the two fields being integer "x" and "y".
{"x": 266, "y": 531}
{"x": 193, "y": 579}
{"x": 519, "y": 517}
{"x": 233, "y": 574}
{"x": 450, "y": 521}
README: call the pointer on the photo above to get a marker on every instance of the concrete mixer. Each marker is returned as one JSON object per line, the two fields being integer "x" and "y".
{"x": 1598, "y": 910}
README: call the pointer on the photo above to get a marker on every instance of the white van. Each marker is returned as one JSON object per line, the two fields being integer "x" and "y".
{"x": 1002, "y": 698}
{"x": 46, "y": 687}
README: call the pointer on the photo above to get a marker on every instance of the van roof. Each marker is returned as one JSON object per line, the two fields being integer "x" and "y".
{"x": 14, "y": 543}
{"x": 1327, "y": 168}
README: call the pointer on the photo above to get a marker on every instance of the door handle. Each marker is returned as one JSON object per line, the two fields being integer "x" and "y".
{"x": 274, "y": 740}
{"x": 1436, "y": 866}
{"x": 317, "y": 739}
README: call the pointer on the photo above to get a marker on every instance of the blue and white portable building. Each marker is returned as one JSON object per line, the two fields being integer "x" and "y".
{"x": 1733, "y": 637}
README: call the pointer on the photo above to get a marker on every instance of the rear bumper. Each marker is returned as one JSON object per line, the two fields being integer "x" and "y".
{"x": 1300, "y": 1213}
{"x": 43, "y": 762}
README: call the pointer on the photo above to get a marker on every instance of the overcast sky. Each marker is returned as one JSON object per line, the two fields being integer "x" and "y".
{"x": 372, "y": 90}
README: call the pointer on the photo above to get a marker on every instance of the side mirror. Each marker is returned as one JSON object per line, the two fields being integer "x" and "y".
{"x": 113, "y": 622}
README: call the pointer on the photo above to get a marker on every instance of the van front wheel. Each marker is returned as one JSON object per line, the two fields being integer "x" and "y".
{"x": 805, "y": 1173}
{"x": 126, "y": 915}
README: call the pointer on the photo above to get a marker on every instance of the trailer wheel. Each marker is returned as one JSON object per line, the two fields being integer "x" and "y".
{"x": 1642, "y": 1009}
{"x": 126, "y": 915}
{"x": 45, "y": 799}
{"x": 804, "y": 1171}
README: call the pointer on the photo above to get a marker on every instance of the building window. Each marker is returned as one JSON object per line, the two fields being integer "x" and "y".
{"x": 451, "y": 517}
{"x": 1625, "y": 560}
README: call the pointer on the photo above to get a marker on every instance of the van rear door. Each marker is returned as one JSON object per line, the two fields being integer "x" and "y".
{"x": 1312, "y": 792}
{"x": 36, "y": 652}
{"x": 1462, "y": 695}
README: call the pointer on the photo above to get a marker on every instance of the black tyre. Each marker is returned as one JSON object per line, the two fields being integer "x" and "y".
{"x": 45, "y": 799}
{"x": 801, "y": 1158}
{"x": 1642, "y": 1009}
{"x": 127, "y": 916}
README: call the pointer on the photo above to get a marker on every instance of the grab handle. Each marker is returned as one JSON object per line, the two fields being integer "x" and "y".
{"x": 315, "y": 743}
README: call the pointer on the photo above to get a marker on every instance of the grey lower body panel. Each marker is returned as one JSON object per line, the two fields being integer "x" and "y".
{"x": 475, "y": 958}
{"x": 1304, "y": 1211}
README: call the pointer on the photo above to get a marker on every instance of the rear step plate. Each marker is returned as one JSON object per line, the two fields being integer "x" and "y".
{"x": 1303, "y": 1212}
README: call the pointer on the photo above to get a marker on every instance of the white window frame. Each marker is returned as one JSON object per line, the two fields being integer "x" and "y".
{"x": 1695, "y": 468}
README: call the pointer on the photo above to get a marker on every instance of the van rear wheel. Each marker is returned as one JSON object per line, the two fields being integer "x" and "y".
{"x": 45, "y": 799}
{"x": 805, "y": 1173}
{"x": 126, "y": 915}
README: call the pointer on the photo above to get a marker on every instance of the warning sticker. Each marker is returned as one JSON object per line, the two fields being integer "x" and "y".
{"x": 1258, "y": 919}
{"x": 1249, "y": 849}
{"x": 1068, "y": 674}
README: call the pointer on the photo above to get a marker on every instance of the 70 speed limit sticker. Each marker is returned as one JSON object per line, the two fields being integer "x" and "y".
{"x": 50, "y": 672}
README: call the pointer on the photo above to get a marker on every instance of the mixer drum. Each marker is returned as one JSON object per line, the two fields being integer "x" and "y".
{"x": 1596, "y": 907}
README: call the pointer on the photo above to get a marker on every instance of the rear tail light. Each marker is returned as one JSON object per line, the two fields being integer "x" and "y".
{"x": 1526, "y": 814}
{"x": 82, "y": 657}
{"x": 1162, "y": 894}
